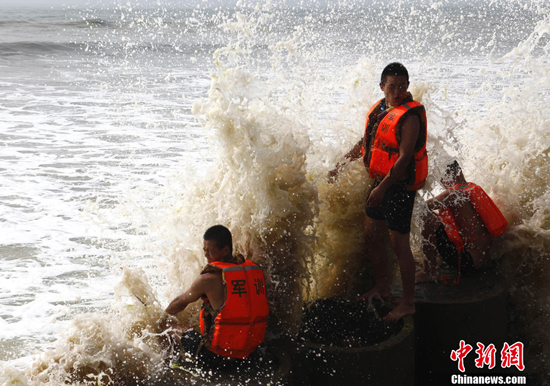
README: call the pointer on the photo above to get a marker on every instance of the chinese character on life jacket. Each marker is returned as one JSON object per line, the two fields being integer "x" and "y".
{"x": 384, "y": 127}
{"x": 238, "y": 287}
{"x": 259, "y": 285}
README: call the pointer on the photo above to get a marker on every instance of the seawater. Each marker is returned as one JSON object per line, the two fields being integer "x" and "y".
{"x": 126, "y": 131}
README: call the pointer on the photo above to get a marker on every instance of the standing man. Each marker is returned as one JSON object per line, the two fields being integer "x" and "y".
{"x": 234, "y": 313}
{"x": 394, "y": 152}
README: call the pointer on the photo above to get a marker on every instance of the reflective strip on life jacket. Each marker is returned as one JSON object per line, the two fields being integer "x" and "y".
{"x": 385, "y": 148}
{"x": 239, "y": 326}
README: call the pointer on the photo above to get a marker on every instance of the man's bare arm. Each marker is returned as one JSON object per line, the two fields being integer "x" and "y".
{"x": 449, "y": 197}
{"x": 355, "y": 152}
{"x": 351, "y": 155}
{"x": 439, "y": 201}
{"x": 197, "y": 289}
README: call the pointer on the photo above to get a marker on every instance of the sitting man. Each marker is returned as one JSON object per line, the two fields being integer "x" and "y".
{"x": 459, "y": 226}
{"x": 234, "y": 313}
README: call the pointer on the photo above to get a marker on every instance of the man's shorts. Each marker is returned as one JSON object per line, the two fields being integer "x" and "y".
{"x": 396, "y": 208}
{"x": 447, "y": 250}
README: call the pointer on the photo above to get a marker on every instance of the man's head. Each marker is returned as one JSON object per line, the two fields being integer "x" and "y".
{"x": 394, "y": 82}
{"x": 394, "y": 69}
{"x": 218, "y": 243}
{"x": 453, "y": 175}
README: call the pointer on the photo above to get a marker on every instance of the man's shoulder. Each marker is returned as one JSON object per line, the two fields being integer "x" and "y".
{"x": 206, "y": 274}
{"x": 411, "y": 117}
{"x": 208, "y": 278}
{"x": 211, "y": 269}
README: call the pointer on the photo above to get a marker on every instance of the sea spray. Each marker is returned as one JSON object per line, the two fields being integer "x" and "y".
{"x": 255, "y": 184}
{"x": 122, "y": 346}
{"x": 341, "y": 268}
{"x": 258, "y": 187}
{"x": 507, "y": 150}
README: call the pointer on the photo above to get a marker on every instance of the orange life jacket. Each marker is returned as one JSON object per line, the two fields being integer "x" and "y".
{"x": 384, "y": 150}
{"x": 239, "y": 325}
{"x": 451, "y": 229}
{"x": 492, "y": 217}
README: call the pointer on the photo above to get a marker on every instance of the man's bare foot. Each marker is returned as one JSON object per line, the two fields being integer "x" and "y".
{"x": 400, "y": 311}
{"x": 424, "y": 277}
{"x": 383, "y": 293}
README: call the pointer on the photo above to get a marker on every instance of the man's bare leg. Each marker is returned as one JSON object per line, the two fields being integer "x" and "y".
{"x": 478, "y": 234}
{"x": 402, "y": 249}
{"x": 429, "y": 271}
{"x": 375, "y": 232}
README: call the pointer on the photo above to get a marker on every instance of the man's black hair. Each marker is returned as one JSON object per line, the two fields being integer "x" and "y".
{"x": 453, "y": 168}
{"x": 394, "y": 69}
{"x": 220, "y": 235}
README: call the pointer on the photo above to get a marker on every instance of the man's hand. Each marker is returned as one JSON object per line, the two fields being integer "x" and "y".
{"x": 333, "y": 174}
{"x": 168, "y": 321}
{"x": 376, "y": 196}
{"x": 352, "y": 155}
